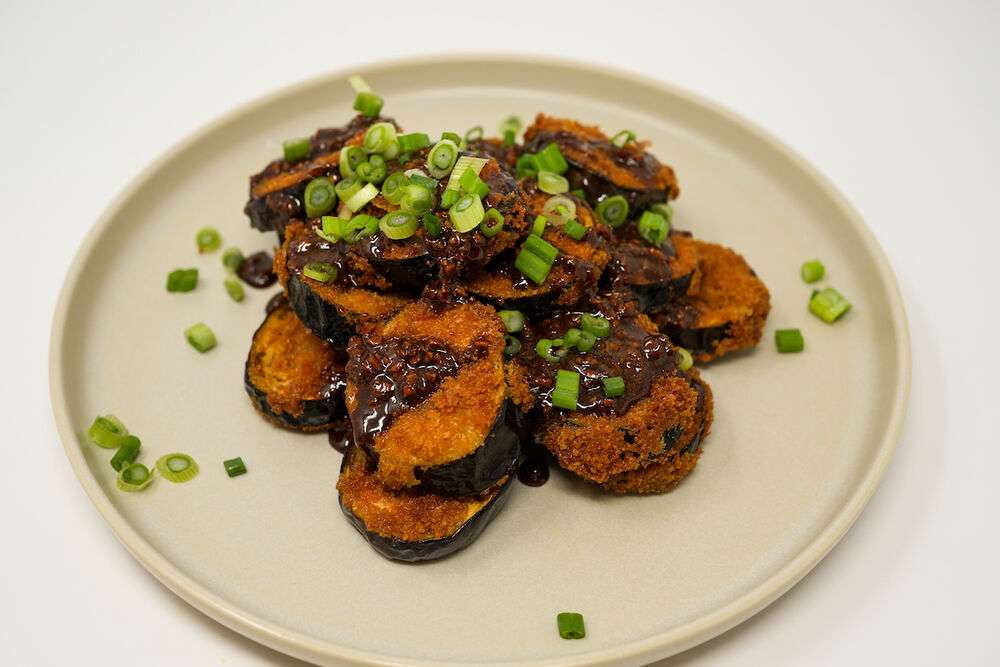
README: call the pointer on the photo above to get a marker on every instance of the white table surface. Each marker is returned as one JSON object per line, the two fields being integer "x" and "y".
{"x": 896, "y": 103}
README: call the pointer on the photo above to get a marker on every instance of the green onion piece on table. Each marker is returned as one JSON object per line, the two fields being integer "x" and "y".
{"x": 595, "y": 324}
{"x": 552, "y": 183}
{"x": 108, "y": 432}
{"x": 369, "y": 104}
{"x": 350, "y": 158}
{"x": 177, "y": 467}
{"x": 126, "y": 453}
{"x": 654, "y": 228}
{"x": 513, "y": 320}
{"x": 295, "y": 149}
{"x": 379, "y": 137}
{"x": 235, "y": 467}
{"x": 182, "y": 280}
{"x": 513, "y": 345}
{"x": 492, "y": 223}
{"x": 134, "y": 477}
{"x": 208, "y": 239}
{"x": 234, "y": 288}
{"x": 442, "y": 158}
{"x": 432, "y": 224}
{"x": 685, "y": 359}
{"x": 200, "y": 337}
{"x": 614, "y": 386}
{"x": 829, "y": 305}
{"x": 550, "y": 159}
{"x": 574, "y": 229}
{"x": 320, "y": 271}
{"x": 570, "y": 626}
{"x": 813, "y": 271}
{"x": 613, "y": 210}
{"x": 408, "y": 143}
{"x": 789, "y": 340}
{"x": 467, "y": 213}
{"x": 232, "y": 258}
{"x": 475, "y": 134}
{"x": 320, "y": 197}
{"x": 623, "y": 138}
{"x": 398, "y": 225}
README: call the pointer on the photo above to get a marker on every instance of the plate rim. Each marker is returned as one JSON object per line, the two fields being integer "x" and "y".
{"x": 655, "y": 647}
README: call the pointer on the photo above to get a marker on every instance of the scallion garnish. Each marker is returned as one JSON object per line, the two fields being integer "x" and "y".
{"x": 379, "y": 137}
{"x": 544, "y": 349}
{"x": 613, "y": 210}
{"x": 472, "y": 184}
{"x": 492, "y": 223}
{"x": 789, "y": 340}
{"x": 442, "y": 157}
{"x": 392, "y": 187}
{"x": 432, "y": 224}
{"x": 208, "y": 239}
{"x": 449, "y": 198}
{"x": 177, "y": 467}
{"x": 350, "y": 158}
{"x": 332, "y": 229}
{"x": 550, "y": 159}
{"x": 552, "y": 183}
{"x": 509, "y": 136}
{"x": 464, "y": 162}
{"x": 108, "y": 432}
{"x": 182, "y": 280}
{"x": 361, "y": 197}
{"x": 418, "y": 177}
{"x": 613, "y": 386}
{"x": 359, "y": 227}
{"x": 347, "y": 188}
{"x": 813, "y": 271}
{"x": 685, "y": 360}
{"x": 232, "y": 258}
{"x": 664, "y": 209}
{"x": 134, "y": 477}
{"x": 538, "y": 228}
{"x": 654, "y": 228}
{"x": 622, "y": 139}
{"x": 320, "y": 271}
{"x": 234, "y": 288}
{"x": 320, "y": 196}
{"x": 372, "y": 171}
{"x": 408, "y": 143}
{"x": 452, "y": 137}
{"x": 200, "y": 337}
{"x": 574, "y": 229}
{"x": 525, "y": 167}
{"x": 541, "y": 247}
{"x": 235, "y": 467}
{"x": 467, "y": 213}
{"x": 559, "y": 209}
{"x": 572, "y": 337}
{"x": 511, "y": 124}
{"x": 595, "y": 324}
{"x": 359, "y": 84}
{"x": 579, "y": 193}
{"x": 586, "y": 342}
{"x": 829, "y": 305}
{"x": 474, "y": 134}
{"x": 567, "y": 390}
{"x": 295, "y": 149}
{"x": 532, "y": 266}
{"x": 126, "y": 453}
{"x": 513, "y": 345}
{"x": 416, "y": 198}
{"x": 398, "y": 225}
{"x": 570, "y": 625}
{"x": 513, "y": 320}
{"x": 369, "y": 104}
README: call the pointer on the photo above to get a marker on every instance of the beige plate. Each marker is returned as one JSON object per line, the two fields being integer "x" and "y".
{"x": 799, "y": 443}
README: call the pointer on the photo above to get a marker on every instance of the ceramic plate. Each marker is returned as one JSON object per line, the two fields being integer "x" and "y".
{"x": 799, "y": 443}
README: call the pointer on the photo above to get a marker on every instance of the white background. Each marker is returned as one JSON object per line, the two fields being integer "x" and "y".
{"x": 896, "y": 103}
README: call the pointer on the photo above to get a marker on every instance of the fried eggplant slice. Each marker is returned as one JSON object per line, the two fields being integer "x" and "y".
{"x": 412, "y": 525}
{"x": 654, "y": 275}
{"x": 602, "y": 169}
{"x": 293, "y": 378}
{"x": 427, "y": 398}
{"x": 728, "y": 311}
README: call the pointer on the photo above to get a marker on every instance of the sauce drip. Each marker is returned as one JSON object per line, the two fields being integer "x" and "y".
{"x": 533, "y": 472}
{"x": 276, "y": 301}
{"x": 341, "y": 434}
{"x": 257, "y": 270}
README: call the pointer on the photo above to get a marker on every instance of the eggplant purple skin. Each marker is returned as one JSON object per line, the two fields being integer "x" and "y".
{"x": 599, "y": 188}
{"x": 395, "y": 548}
{"x": 484, "y": 467}
{"x": 315, "y": 414}
{"x": 275, "y": 210}
{"x": 411, "y": 273}
{"x": 653, "y": 296}
{"x": 321, "y": 317}
{"x": 698, "y": 341}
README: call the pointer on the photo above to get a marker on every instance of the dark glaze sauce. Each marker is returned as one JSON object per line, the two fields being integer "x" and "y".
{"x": 533, "y": 472}
{"x": 311, "y": 248}
{"x": 276, "y": 301}
{"x": 257, "y": 270}
{"x": 573, "y": 270}
{"x": 394, "y": 375}
{"x": 341, "y": 434}
{"x": 635, "y": 262}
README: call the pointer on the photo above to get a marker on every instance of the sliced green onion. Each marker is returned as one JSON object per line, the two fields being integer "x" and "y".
{"x": 509, "y": 137}
{"x": 320, "y": 271}
{"x": 613, "y": 210}
{"x": 449, "y": 198}
{"x": 613, "y": 386}
{"x": 464, "y": 162}
{"x": 572, "y": 337}
{"x": 829, "y": 305}
{"x": 685, "y": 360}
{"x": 552, "y": 183}
{"x": 544, "y": 349}
{"x": 532, "y": 266}
{"x": 622, "y": 138}
{"x": 442, "y": 158}
{"x": 664, "y": 209}
{"x": 359, "y": 84}
{"x": 568, "y": 381}
{"x": 135, "y": 477}
{"x": 525, "y": 167}
{"x": 654, "y": 228}
{"x": 570, "y": 625}
{"x": 567, "y": 390}
{"x": 550, "y": 159}
{"x": 393, "y": 151}
{"x": 126, "y": 453}
{"x": 538, "y": 228}
{"x": 475, "y": 134}
{"x": 559, "y": 217}
{"x": 182, "y": 280}
{"x": 379, "y": 137}
{"x": 511, "y": 124}
{"x": 513, "y": 345}
{"x": 398, "y": 225}
{"x": 200, "y": 337}
{"x": 234, "y": 288}
{"x": 417, "y": 177}
{"x": 369, "y": 104}
{"x": 513, "y": 320}
{"x": 108, "y": 432}
{"x": 232, "y": 258}
{"x": 320, "y": 197}
{"x": 586, "y": 342}
{"x": 574, "y": 229}
{"x": 408, "y": 143}
{"x": 177, "y": 467}
{"x": 235, "y": 467}
{"x": 542, "y": 248}
{"x": 492, "y": 223}
{"x": 813, "y": 271}
{"x": 333, "y": 228}
{"x": 789, "y": 340}
{"x": 432, "y": 224}
{"x": 452, "y": 137}
{"x": 208, "y": 239}
{"x": 347, "y": 188}
{"x": 392, "y": 187}
{"x": 350, "y": 158}
{"x": 579, "y": 193}
{"x": 295, "y": 149}
{"x": 417, "y": 199}
{"x": 595, "y": 324}
{"x": 359, "y": 227}
{"x": 472, "y": 184}
{"x": 362, "y": 197}
{"x": 467, "y": 213}
{"x": 372, "y": 171}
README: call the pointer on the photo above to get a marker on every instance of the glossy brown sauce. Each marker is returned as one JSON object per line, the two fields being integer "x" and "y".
{"x": 533, "y": 472}
{"x": 257, "y": 270}
{"x": 341, "y": 434}
{"x": 275, "y": 302}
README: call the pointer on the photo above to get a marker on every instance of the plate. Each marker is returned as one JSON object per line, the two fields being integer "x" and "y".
{"x": 798, "y": 446}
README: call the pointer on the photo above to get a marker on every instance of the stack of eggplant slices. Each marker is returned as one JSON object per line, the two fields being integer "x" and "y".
{"x": 449, "y": 302}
